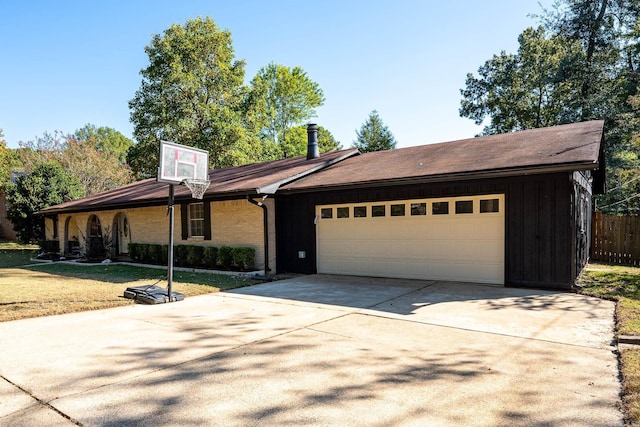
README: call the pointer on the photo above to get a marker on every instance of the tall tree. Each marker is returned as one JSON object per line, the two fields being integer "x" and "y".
{"x": 374, "y": 135}
{"x": 191, "y": 93}
{"x": 530, "y": 89}
{"x": 283, "y": 97}
{"x": 6, "y": 162}
{"x": 105, "y": 139}
{"x": 592, "y": 78}
{"x": 49, "y": 184}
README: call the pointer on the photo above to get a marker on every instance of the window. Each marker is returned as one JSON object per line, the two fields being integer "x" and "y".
{"x": 326, "y": 213}
{"x": 343, "y": 212}
{"x": 55, "y": 227}
{"x": 397, "y": 210}
{"x": 359, "y": 211}
{"x": 440, "y": 208}
{"x": 464, "y": 206}
{"x": 490, "y": 205}
{"x": 94, "y": 227}
{"x": 378, "y": 210}
{"x": 418, "y": 208}
{"x": 196, "y": 220}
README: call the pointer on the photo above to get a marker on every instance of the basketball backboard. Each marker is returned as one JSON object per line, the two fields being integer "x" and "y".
{"x": 179, "y": 162}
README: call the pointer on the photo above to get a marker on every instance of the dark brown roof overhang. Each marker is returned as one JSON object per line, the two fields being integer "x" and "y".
{"x": 462, "y": 176}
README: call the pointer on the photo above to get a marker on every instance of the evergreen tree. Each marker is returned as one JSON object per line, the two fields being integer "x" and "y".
{"x": 374, "y": 135}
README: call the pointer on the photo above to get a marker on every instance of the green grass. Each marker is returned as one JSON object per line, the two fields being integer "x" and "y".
{"x": 127, "y": 273}
{"x": 620, "y": 284}
{"x": 13, "y": 254}
{"x": 630, "y": 367}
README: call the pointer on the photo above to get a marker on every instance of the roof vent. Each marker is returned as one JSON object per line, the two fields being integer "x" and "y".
{"x": 312, "y": 141}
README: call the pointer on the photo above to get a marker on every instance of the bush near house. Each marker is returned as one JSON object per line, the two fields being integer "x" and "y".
{"x": 224, "y": 256}
{"x": 193, "y": 256}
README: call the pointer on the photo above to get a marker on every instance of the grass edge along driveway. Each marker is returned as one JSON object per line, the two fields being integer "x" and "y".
{"x": 622, "y": 285}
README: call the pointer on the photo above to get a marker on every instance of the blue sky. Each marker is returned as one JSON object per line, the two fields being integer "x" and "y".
{"x": 69, "y": 63}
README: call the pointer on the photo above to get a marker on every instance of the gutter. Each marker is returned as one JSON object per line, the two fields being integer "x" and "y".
{"x": 266, "y": 230}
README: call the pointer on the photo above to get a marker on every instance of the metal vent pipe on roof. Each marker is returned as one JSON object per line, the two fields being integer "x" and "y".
{"x": 312, "y": 141}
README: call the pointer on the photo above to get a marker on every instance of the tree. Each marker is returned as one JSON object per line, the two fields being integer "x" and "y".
{"x": 191, "y": 93}
{"x": 374, "y": 135}
{"x": 49, "y": 184}
{"x": 283, "y": 97}
{"x": 6, "y": 162}
{"x": 588, "y": 63}
{"x": 295, "y": 141}
{"x": 531, "y": 89}
{"x": 47, "y": 148}
{"x": 605, "y": 30}
{"x": 96, "y": 168}
{"x": 105, "y": 139}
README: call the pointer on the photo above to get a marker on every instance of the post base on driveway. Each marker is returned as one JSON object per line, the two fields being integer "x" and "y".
{"x": 151, "y": 294}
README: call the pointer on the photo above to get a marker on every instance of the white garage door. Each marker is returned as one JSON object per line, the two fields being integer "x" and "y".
{"x": 459, "y": 239}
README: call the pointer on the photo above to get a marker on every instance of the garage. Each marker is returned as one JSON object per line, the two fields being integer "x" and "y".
{"x": 454, "y": 238}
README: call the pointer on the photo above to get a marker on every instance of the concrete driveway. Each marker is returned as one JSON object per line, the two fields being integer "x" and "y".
{"x": 320, "y": 350}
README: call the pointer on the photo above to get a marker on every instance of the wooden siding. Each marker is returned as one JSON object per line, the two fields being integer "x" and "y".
{"x": 615, "y": 239}
{"x": 538, "y": 217}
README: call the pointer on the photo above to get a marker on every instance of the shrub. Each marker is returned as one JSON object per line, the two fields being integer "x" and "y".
{"x": 49, "y": 246}
{"x": 155, "y": 254}
{"x": 180, "y": 253}
{"x": 134, "y": 251}
{"x": 195, "y": 255}
{"x": 225, "y": 256}
{"x": 165, "y": 255}
{"x": 243, "y": 258}
{"x": 210, "y": 256}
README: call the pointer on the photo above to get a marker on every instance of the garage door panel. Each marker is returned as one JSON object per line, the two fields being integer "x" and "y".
{"x": 463, "y": 229}
{"x": 438, "y": 229}
{"x": 454, "y": 246}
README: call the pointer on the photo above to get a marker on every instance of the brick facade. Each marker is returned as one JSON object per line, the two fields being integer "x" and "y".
{"x": 233, "y": 223}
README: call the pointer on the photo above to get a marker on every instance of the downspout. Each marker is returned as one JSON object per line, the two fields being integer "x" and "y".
{"x": 266, "y": 230}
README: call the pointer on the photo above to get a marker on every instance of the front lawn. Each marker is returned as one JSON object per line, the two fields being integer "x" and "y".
{"x": 13, "y": 254}
{"x": 54, "y": 288}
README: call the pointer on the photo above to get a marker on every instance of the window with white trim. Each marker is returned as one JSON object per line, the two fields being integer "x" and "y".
{"x": 196, "y": 220}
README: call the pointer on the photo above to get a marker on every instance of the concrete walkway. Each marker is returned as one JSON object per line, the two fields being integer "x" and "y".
{"x": 320, "y": 350}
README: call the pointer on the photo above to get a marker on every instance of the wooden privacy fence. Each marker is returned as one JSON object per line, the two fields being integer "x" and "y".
{"x": 615, "y": 239}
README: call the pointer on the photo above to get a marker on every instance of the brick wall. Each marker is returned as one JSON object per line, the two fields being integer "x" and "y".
{"x": 233, "y": 223}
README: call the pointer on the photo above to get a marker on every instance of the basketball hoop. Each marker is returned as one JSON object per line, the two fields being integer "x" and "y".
{"x": 197, "y": 186}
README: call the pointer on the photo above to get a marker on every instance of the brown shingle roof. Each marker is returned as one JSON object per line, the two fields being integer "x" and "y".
{"x": 239, "y": 181}
{"x": 566, "y": 147}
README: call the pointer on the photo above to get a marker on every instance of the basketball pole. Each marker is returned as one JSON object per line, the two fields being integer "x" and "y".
{"x": 170, "y": 248}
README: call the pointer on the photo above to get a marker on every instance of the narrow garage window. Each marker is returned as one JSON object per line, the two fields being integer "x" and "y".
{"x": 359, "y": 211}
{"x": 464, "y": 206}
{"x": 440, "y": 208}
{"x": 397, "y": 210}
{"x": 378, "y": 210}
{"x": 490, "y": 205}
{"x": 418, "y": 208}
{"x": 343, "y": 212}
{"x": 326, "y": 213}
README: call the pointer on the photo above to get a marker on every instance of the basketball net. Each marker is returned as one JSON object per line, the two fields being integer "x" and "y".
{"x": 197, "y": 187}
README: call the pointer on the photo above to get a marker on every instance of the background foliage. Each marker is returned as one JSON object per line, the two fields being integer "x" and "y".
{"x": 580, "y": 64}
